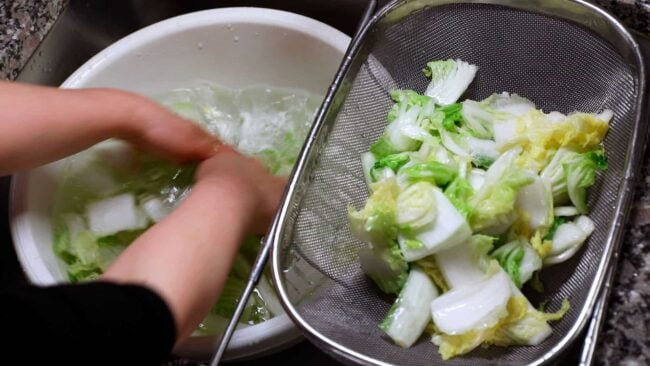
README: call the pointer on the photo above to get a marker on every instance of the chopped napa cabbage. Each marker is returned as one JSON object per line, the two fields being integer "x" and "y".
{"x": 465, "y": 263}
{"x": 541, "y": 245}
{"x": 476, "y": 178}
{"x": 267, "y": 123}
{"x": 557, "y": 221}
{"x": 393, "y": 162}
{"x": 494, "y": 203}
{"x": 114, "y": 214}
{"x": 375, "y": 223}
{"x": 455, "y": 345}
{"x": 449, "y": 228}
{"x": 535, "y": 202}
{"x": 541, "y": 137}
{"x": 156, "y": 209}
{"x": 449, "y": 79}
{"x": 432, "y": 171}
{"x": 568, "y": 239}
{"x": 416, "y": 206}
{"x": 581, "y": 174}
{"x": 477, "y": 120}
{"x": 451, "y": 116}
{"x": 571, "y": 173}
{"x": 385, "y": 266}
{"x": 368, "y": 161}
{"x": 495, "y": 117}
{"x": 476, "y": 197}
{"x": 459, "y": 192}
{"x": 472, "y": 307}
{"x": 519, "y": 260}
{"x": 523, "y": 325}
{"x": 482, "y": 152}
{"x": 430, "y": 266}
{"x": 433, "y": 150}
{"x": 565, "y": 211}
{"x": 408, "y": 122}
{"x": 411, "y": 312}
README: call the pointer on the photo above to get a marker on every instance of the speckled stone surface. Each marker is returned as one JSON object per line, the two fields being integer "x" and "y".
{"x": 23, "y": 24}
{"x": 634, "y": 13}
{"x": 625, "y": 339}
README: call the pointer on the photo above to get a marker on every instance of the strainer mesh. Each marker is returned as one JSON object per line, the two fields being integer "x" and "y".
{"x": 555, "y": 63}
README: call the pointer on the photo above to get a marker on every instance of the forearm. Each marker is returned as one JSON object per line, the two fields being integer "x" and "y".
{"x": 40, "y": 124}
{"x": 186, "y": 257}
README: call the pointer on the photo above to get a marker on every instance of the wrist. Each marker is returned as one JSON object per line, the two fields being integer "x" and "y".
{"x": 229, "y": 193}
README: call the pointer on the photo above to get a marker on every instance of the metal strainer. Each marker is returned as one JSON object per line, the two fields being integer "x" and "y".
{"x": 563, "y": 55}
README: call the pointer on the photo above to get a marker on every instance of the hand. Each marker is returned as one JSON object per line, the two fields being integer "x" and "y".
{"x": 249, "y": 180}
{"x": 153, "y": 128}
{"x": 187, "y": 256}
{"x": 48, "y": 124}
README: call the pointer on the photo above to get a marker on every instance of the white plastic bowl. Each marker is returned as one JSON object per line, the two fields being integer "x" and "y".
{"x": 233, "y": 47}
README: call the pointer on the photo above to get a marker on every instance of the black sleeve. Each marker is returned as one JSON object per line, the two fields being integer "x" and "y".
{"x": 86, "y": 324}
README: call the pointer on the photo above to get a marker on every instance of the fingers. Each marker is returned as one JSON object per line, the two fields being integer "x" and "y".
{"x": 273, "y": 189}
{"x": 180, "y": 140}
{"x": 173, "y": 138}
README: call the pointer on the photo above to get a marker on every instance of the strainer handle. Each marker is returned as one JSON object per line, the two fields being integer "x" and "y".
{"x": 267, "y": 243}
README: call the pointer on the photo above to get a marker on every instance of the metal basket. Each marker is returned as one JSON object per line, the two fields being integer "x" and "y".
{"x": 563, "y": 55}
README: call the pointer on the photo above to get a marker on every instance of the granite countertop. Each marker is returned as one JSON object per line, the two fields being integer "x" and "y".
{"x": 23, "y": 24}
{"x": 625, "y": 336}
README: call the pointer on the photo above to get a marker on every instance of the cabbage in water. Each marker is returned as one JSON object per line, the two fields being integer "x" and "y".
{"x": 110, "y": 194}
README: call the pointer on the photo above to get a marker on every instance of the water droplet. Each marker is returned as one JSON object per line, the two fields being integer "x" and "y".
{"x": 235, "y": 38}
{"x": 229, "y": 27}
{"x": 200, "y": 45}
{"x": 257, "y": 34}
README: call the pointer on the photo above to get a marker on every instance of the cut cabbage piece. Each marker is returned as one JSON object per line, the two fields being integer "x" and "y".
{"x": 568, "y": 239}
{"x": 115, "y": 214}
{"x": 535, "y": 201}
{"x": 519, "y": 260}
{"x": 565, "y": 211}
{"x": 461, "y": 265}
{"x": 472, "y": 307}
{"x": 449, "y": 228}
{"x": 416, "y": 206}
{"x": 449, "y": 79}
{"x": 411, "y": 312}
{"x": 476, "y": 178}
{"x": 156, "y": 209}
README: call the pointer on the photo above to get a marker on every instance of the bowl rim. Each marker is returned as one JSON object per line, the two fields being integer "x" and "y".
{"x": 20, "y": 226}
{"x": 221, "y": 16}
